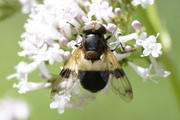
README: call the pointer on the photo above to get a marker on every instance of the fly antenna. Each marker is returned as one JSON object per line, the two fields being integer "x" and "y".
{"x": 75, "y": 28}
{"x": 118, "y": 43}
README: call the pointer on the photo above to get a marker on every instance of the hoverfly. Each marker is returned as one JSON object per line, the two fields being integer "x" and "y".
{"x": 94, "y": 65}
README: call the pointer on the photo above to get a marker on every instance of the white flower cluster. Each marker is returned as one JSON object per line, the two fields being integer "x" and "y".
{"x": 48, "y": 39}
{"x": 151, "y": 49}
{"x": 46, "y": 31}
{"x": 78, "y": 101}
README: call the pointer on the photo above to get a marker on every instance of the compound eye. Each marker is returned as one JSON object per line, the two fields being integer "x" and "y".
{"x": 99, "y": 28}
{"x": 94, "y": 28}
{"x": 87, "y": 29}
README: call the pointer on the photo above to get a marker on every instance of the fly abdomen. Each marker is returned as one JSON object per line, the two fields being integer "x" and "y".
{"x": 93, "y": 81}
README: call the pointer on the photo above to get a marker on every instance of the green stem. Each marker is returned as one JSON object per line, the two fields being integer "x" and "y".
{"x": 169, "y": 65}
{"x": 152, "y": 22}
{"x": 128, "y": 22}
{"x": 8, "y": 8}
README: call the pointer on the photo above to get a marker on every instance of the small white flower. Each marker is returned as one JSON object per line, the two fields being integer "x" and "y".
{"x": 101, "y": 10}
{"x": 121, "y": 56}
{"x": 44, "y": 70}
{"x": 68, "y": 14}
{"x": 13, "y": 109}
{"x": 143, "y": 72}
{"x": 151, "y": 47}
{"x": 25, "y": 86}
{"x": 159, "y": 71}
{"x": 39, "y": 54}
{"x": 142, "y": 2}
{"x": 141, "y": 38}
{"x": 87, "y": 20}
{"x": 23, "y": 68}
{"x": 126, "y": 38}
{"x": 72, "y": 44}
{"x": 54, "y": 54}
{"x": 146, "y": 72}
{"x": 60, "y": 102}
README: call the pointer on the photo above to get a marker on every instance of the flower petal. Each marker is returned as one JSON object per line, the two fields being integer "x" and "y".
{"x": 158, "y": 69}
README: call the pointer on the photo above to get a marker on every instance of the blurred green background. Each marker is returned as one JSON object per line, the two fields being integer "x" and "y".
{"x": 151, "y": 101}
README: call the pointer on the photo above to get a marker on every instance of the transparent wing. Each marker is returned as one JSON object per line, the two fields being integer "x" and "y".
{"x": 67, "y": 79}
{"x": 118, "y": 81}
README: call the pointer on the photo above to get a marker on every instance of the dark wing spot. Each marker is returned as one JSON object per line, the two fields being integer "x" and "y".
{"x": 65, "y": 73}
{"x": 128, "y": 90}
{"x": 118, "y": 73}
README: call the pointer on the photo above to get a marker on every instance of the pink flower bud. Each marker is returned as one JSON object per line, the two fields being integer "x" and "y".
{"x": 63, "y": 32}
{"x": 128, "y": 48}
{"x": 48, "y": 85}
{"x": 79, "y": 16}
{"x": 67, "y": 55}
{"x": 117, "y": 11}
{"x": 87, "y": 6}
{"x": 136, "y": 25}
{"x": 111, "y": 27}
{"x": 41, "y": 76}
{"x": 160, "y": 53}
{"x": 63, "y": 41}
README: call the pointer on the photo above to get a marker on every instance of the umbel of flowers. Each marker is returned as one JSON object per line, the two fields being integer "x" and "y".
{"x": 48, "y": 38}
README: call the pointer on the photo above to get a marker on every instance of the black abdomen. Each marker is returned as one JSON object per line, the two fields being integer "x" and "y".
{"x": 93, "y": 81}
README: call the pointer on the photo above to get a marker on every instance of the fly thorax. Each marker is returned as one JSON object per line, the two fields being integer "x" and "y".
{"x": 93, "y": 46}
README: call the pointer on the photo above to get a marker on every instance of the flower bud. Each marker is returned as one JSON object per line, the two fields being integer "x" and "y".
{"x": 63, "y": 41}
{"x": 117, "y": 11}
{"x": 67, "y": 55}
{"x": 41, "y": 76}
{"x": 160, "y": 53}
{"x": 48, "y": 85}
{"x": 128, "y": 48}
{"x": 87, "y": 5}
{"x": 136, "y": 25}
